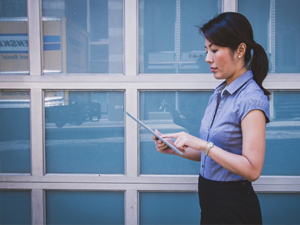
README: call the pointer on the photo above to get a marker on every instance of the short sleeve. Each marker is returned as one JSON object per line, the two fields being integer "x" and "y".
{"x": 252, "y": 102}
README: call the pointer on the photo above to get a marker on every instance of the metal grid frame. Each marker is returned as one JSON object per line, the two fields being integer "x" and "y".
{"x": 131, "y": 183}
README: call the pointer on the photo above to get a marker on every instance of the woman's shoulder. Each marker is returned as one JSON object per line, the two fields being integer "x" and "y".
{"x": 251, "y": 91}
{"x": 251, "y": 97}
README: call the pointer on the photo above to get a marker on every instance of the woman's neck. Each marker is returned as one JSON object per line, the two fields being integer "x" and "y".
{"x": 236, "y": 75}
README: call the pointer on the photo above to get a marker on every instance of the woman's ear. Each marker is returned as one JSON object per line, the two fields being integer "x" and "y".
{"x": 241, "y": 50}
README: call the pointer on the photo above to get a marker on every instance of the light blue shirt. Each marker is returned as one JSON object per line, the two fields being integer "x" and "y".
{"x": 224, "y": 128}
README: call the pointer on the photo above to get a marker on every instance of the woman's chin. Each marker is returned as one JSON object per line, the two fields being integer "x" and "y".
{"x": 218, "y": 76}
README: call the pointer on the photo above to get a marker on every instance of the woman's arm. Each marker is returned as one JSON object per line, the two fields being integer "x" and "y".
{"x": 248, "y": 165}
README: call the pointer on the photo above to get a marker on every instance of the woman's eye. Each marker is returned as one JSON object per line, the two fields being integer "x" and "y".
{"x": 214, "y": 51}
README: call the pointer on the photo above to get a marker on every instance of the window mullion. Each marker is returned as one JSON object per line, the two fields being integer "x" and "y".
{"x": 230, "y": 5}
{"x": 130, "y": 37}
{"x": 34, "y": 37}
{"x": 36, "y": 120}
{"x": 37, "y": 201}
{"x": 131, "y": 207}
{"x": 131, "y": 137}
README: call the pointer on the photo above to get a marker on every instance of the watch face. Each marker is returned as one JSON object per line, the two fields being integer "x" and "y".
{"x": 209, "y": 146}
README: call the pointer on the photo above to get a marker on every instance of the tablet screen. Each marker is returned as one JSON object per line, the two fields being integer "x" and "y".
{"x": 153, "y": 132}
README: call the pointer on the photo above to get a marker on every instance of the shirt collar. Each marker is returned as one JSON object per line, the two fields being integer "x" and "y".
{"x": 236, "y": 84}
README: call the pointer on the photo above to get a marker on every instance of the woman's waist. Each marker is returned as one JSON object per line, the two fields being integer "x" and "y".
{"x": 224, "y": 184}
{"x": 213, "y": 171}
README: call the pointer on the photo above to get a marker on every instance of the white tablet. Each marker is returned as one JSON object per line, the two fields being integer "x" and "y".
{"x": 153, "y": 132}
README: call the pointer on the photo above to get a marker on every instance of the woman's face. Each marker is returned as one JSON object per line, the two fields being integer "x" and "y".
{"x": 224, "y": 63}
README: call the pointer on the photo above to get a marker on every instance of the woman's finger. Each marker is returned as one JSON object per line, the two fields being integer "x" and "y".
{"x": 156, "y": 131}
{"x": 172, "y": 135}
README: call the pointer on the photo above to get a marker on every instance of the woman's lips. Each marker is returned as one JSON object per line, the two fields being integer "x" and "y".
{"x": 212, "y": 69}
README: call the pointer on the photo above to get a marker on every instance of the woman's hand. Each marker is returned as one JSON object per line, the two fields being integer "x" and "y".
{"x": 189, "y": 153}
{"x": 185, "y": 140}
{"x": 162, "y": 147}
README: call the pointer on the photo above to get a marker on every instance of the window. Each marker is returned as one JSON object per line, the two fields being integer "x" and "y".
{"x": 279, "y": 208}
{"x": 283, "y": 128}
{"x": 15, "y": 131}
{"x": 84, "y": 132}
{"x": 169, "y": 112}
{"x": 83, "y": 207}
{"x": 85, "y": 36}
{"x": 15, "y": 207}
{"x": 169, "y": 208}
{"x": 169, "y": 35}
{"x": 276, "y": 27}
{"x": 13, "y": 37}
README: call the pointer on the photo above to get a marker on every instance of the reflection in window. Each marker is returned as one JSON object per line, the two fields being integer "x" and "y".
{"x": 13, "y": 37}
{"x": 84, "y": 132}
{"x": 14, "y": 132}
{"x": 83, "y": 36}
{"x": 15, "y": 207}
{"x": 168, "y": 112}
{"x": 284, "y": 128}
{"x": 84, "y": 207}
{"x": 169, "y": 39}
{"x": 276, "y": 27}
{"x": 183, "y": 208}
{"x": 279, "y": 208}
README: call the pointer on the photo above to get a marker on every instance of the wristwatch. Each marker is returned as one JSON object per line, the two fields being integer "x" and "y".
{"x": 209, "y": 145}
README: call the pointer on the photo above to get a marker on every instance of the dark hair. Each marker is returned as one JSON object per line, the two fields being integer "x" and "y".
{"x": 230, "y": 29}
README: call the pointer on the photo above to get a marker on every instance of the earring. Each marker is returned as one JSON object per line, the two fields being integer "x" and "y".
{"x": 240, "y": 56}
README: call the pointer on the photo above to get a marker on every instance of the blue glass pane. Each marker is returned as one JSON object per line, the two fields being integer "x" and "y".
{"x": 84, "y": 132}
{"x": 276, "y": 24}
{"x": 169, "y": 208}
{"x": 13, "y": 37}
{"x": 169, "y": 40}
{"x": 283, "y": 135}
{"x": 78, "y": 207}
{"x": 15, "y": 132}
{"x": 169, "y": 112}
{"x": 89, "y": 36}
{"x": 280, "y": 208}
{"x": 15, "y": 207}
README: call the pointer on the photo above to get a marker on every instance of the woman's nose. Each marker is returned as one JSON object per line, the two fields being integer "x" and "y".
{"x": 208, "y": 58}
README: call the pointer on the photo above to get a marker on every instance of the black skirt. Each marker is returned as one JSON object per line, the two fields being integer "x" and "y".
{"x": 233, "y": 202}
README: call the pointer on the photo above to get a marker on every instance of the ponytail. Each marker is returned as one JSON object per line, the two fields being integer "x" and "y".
{"x": 259, "y": 65}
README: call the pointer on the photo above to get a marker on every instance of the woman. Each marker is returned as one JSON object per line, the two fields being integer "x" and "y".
{"x": 231, "y": 146}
